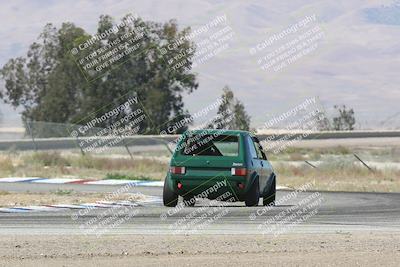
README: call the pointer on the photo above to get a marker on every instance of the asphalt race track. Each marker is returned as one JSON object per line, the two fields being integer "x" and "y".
{"x": 336, "y": 212}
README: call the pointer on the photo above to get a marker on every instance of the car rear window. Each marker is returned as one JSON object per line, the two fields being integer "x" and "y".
{"x": 210, "y": 145}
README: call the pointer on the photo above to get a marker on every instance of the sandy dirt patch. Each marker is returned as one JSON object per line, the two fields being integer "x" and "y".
{"x": 341, "y": 249}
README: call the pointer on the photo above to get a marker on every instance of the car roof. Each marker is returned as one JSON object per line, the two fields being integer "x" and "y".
{"x": 225, "y": 131}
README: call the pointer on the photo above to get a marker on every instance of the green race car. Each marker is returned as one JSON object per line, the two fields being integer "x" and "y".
{"x": 219, "y": 164}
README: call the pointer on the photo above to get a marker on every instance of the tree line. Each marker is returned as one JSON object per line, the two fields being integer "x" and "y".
{"x": 49, "y": 86}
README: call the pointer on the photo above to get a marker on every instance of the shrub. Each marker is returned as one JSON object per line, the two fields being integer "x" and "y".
{"x": 49, "y": 159}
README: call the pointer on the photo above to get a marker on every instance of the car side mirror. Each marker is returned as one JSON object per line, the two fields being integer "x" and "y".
{"x": 262, "y": 153}
{"x": 255, "y": 139}
{"x": 262, "y": 150}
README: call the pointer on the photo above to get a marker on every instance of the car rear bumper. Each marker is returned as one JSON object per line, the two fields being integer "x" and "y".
{"x": 211, "y": 188}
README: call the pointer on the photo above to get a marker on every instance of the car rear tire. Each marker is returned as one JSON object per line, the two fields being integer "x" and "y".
{"x": 253, "y": 195}
{"x": 189, "y": 201}
{"x": 269, "y": 200}
{"x": 170, "y": 198}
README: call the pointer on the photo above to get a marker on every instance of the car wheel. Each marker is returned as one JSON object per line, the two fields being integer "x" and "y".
{"x": 253, "y": 195}
{"x": 189, "y": 201}
{"x": 269, "y": 200}
{"x": 170, "y": 198}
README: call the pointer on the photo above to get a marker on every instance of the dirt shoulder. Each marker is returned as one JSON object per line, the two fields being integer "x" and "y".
{"x": 348, "y": 249}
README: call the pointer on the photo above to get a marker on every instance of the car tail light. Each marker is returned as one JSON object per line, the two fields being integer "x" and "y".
{"x": 179, "y": 185}
{"x": 239, "y": 171}
{"x": 177, "y": 170}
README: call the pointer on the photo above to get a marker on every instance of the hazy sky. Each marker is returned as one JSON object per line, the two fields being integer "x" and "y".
{"x": 356, "y": 61}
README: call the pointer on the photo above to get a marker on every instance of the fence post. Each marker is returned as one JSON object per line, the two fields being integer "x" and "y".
{"x": 365, "y": 164}
{"x": 77, "y": 142}
{"x": 28, "y": 125}
{"x": 125, "y": 145}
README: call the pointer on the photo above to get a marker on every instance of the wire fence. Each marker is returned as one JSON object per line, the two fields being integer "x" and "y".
{"x": 85, "y": 140}
{"x": 37, "y": 136}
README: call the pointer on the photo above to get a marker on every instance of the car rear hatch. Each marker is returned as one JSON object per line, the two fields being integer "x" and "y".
{"x": 211, "y": 159}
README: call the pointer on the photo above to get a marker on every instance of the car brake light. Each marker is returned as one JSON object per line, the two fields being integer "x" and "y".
{"x": 177, "y": 170}
{"x": 239, "y": 171}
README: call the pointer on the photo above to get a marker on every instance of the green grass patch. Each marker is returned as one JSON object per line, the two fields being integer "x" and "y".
{"x": 48, "y": 159}
{"x": 119, "y": 176}
{"x": 6, "y": 164}
{"x": 3, "y": 193}
{"x": 61, "y": 192}
{"x": 53, "y": 164}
